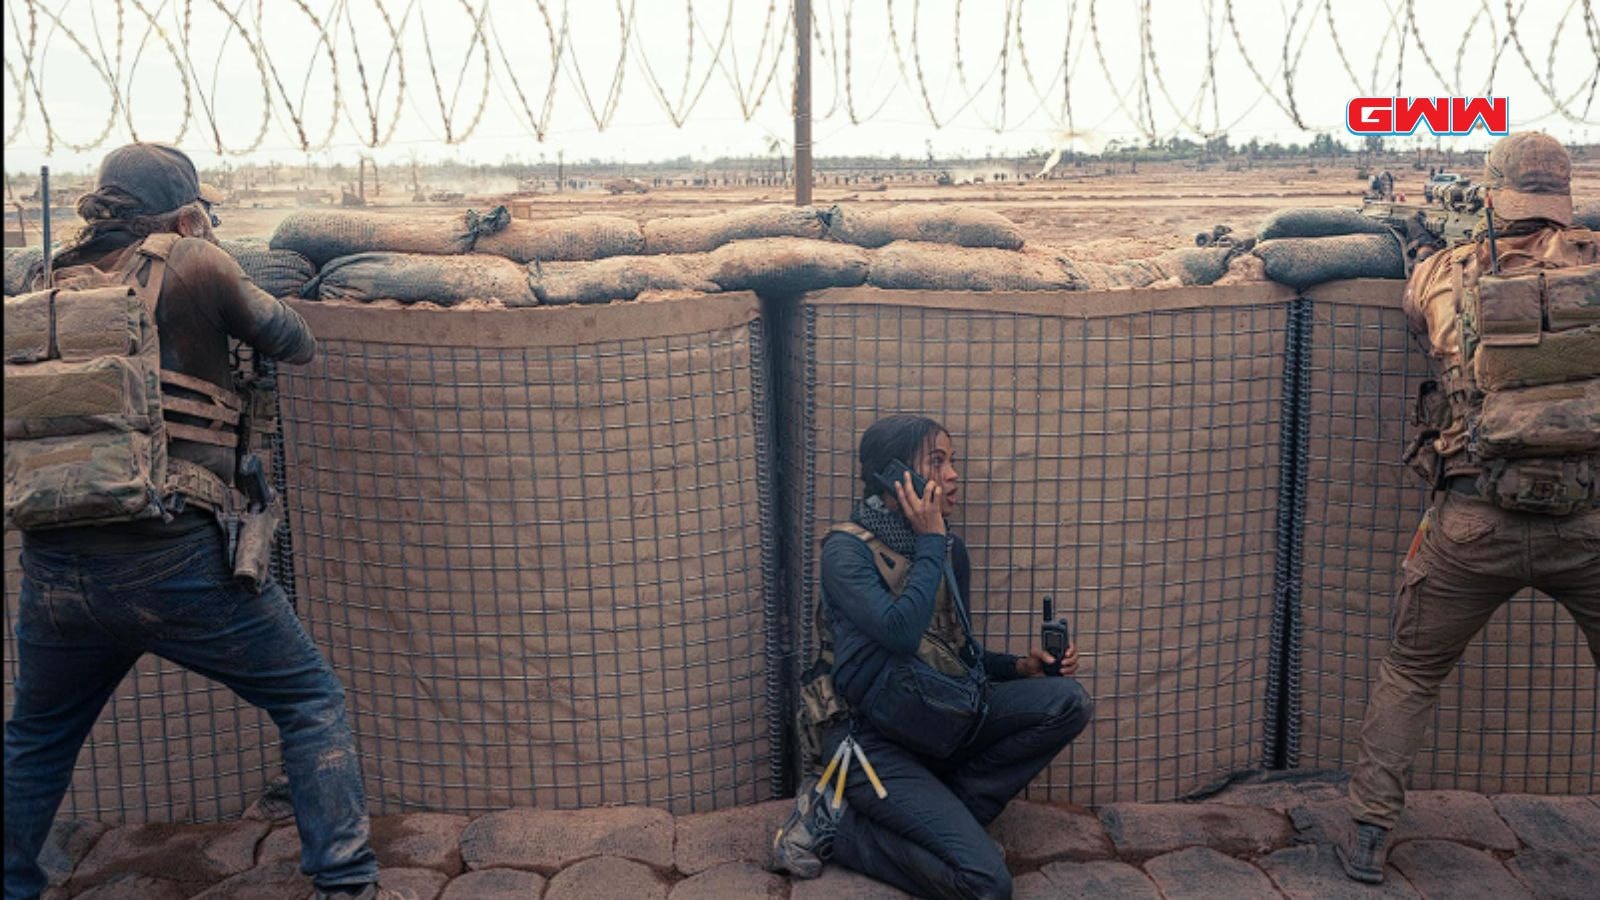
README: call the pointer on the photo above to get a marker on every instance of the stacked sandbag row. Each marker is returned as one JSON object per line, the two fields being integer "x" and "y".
{"x": 449, "y": 260}
{"x": 21, "y": 265}
{"x": 1303, "y": 247}
{"x": 281, "y": 273}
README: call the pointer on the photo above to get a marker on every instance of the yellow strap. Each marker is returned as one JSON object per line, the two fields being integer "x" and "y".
{"x": 844, "y": 768}
{"x": 872, "y": 774}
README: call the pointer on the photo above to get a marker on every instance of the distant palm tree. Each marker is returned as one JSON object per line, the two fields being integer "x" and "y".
{"x": 775, "y": 147}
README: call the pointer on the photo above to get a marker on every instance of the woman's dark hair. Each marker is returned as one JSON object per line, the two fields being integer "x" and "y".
{"x": 111, "y": 209}
{"x": 895, "y": 437}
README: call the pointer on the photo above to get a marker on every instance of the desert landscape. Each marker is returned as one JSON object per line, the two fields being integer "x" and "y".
{"x": 1104, "y": 212}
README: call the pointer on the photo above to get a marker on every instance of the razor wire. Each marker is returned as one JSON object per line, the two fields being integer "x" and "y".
{"x": 354, "y": 89}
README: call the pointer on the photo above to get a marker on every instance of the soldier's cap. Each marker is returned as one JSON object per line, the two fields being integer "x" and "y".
{"x": 1529, "y": 176}
{"x": 161, "y": 177}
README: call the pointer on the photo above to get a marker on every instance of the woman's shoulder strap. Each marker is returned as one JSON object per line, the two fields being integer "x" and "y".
{"x": 891, "y": 565}
{"x": 854, "y": 530}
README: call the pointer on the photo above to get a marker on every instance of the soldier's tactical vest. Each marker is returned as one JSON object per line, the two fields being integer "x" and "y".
{"x": 87, "y": 404}
{"x": 1524, "y": 379}
{"x": 942, "y": 646}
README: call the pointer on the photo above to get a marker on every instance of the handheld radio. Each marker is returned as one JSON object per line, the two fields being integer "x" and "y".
{"x": 1054, "y": 636}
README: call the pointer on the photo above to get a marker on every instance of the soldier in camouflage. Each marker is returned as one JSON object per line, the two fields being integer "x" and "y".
{"x": 1508, "y": 436}
{"x": 113, "y": 572}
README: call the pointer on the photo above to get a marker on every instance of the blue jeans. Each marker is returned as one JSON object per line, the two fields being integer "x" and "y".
{"x": 927, "y": 836}
{"x": 85, "y": 618}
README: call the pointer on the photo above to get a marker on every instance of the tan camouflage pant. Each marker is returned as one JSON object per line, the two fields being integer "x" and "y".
{"x": 1469, "y": 557}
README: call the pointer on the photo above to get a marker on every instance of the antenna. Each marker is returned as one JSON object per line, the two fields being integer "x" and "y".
{"x": 44, "y": 191}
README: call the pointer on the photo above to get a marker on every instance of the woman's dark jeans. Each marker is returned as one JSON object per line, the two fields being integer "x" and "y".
{"x": 85, "y": 618}
{"x": 927, "y": 837}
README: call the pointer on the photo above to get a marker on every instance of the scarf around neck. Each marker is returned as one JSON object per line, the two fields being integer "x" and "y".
{"x": 890, "y": 527}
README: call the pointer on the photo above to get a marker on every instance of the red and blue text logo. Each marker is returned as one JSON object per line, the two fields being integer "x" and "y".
{"x": 1440, "y": 115}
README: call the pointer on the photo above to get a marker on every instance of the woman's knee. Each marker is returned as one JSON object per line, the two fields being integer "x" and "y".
{"x": 1072, "y": 707}
{"x": 989, "y": 881}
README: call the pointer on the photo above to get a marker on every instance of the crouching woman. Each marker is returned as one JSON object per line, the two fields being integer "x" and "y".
{"x": 952, "y": 731}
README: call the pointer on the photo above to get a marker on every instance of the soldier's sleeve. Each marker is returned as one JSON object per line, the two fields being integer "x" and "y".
{"x": 243, "y": 310}
{"x": 1421, "y": 290}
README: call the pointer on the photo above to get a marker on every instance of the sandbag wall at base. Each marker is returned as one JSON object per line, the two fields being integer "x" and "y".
{"x": 534, "y": 545}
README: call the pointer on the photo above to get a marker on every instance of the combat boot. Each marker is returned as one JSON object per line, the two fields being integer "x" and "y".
{"x": 806, "y": 838}
{"x": 1364, "y": 852}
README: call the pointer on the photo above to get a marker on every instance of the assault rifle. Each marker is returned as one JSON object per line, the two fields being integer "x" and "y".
{"x": 1431, "y": 228}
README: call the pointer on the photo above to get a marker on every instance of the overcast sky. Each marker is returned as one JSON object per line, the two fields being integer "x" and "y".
{"x": 992, "y": 83}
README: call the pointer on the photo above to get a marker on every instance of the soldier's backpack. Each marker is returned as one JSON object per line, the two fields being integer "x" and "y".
{"x": 87, "y": 404}
{"x": 1528, "y": 386}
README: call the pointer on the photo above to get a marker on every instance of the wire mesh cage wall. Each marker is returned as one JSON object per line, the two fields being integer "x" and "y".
{"x": 536, "y": 545}
{"x": 170, "y": 746}
{"x": 1521, "y": 713}
{"x": 1118, "y": 451}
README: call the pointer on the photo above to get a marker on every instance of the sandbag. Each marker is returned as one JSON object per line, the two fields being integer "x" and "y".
{"x": 1134, "y": 273}
{"x": 700, "y": 234}
{"x": 21, "y": 263}
{"x": 907, "y": 265}
{"x": 876, "y": 227}
{"x": 1310, "y": 223}
{"x": 1302, "y": 262}
{"x": 1586, "y": 214}
{"x": 323, "y": 235}
{"x": 575, "y": 238}
{"x": 414, "y": 277}
{"x": 1246, "y": 268}
{"x": 785, "y": 265}
{"x": 617, "y": 278}
{"x": 281, "y": 273}
{"x": 1195, "y": 265}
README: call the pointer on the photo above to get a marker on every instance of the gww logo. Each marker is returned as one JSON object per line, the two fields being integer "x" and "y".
{"x": 1441, "y": 115}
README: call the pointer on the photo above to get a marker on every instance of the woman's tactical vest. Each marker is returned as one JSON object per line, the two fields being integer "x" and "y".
{"x": 1520, "y": 381}
{"x": 943, "y": 644}
{"x": 88, "y": 406}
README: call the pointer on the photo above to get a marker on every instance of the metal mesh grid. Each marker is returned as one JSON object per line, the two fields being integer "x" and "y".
{"x": 540, "y": 570}
{"x": 1126, "y": 464}
{"x": 1522, "y": 710}
{"x": 170, "y": 746}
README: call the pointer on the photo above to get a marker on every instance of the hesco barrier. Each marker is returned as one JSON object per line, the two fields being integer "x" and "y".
{"x": 1521, "y": 713}
{"x": 1118, "y": 451}
{"x": 542, "y": 547}
{"x": 536, "y": 545}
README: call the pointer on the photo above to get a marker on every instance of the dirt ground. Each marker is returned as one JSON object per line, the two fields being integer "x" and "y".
{"x": 1098, "y": 216}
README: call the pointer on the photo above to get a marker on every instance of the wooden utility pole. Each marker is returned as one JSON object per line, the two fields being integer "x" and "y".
{"x": 802, "y": 103}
